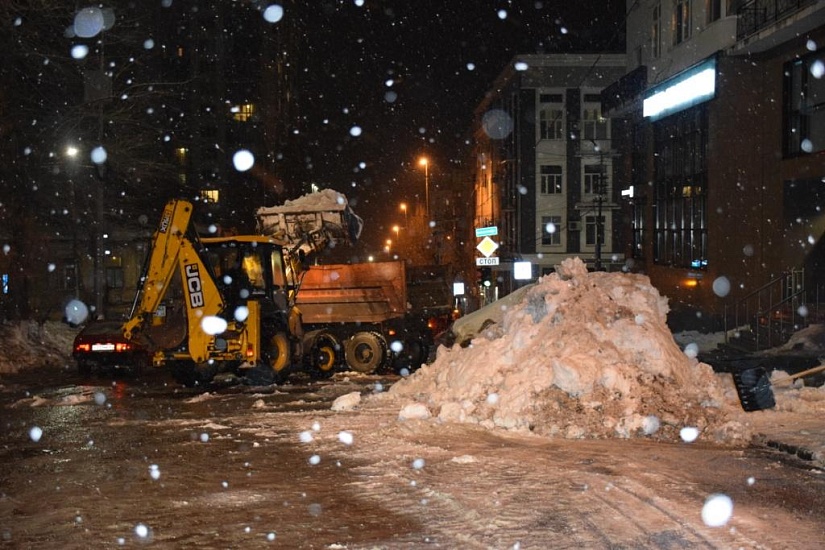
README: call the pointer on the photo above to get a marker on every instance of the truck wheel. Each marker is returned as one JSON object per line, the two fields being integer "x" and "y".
{"x": 325, "y": 355}
{"x": 365, "y": 352}
{"x": 412, "y": 356}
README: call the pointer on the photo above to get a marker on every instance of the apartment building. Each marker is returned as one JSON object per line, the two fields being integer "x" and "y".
{"x": 545, "y": 168}
{"x": 724, "y": 156}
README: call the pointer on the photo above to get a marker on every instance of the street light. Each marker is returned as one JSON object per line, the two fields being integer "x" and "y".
{"x": 425, "y": 162}
{"x": 403, "y": 207}
{"x": 396, "y": 229}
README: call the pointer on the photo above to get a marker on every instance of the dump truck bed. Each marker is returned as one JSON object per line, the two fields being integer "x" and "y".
{"x": 353, "y": 293}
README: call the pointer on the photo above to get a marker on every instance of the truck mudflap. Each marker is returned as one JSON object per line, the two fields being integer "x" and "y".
{"x": 366, "y": 351}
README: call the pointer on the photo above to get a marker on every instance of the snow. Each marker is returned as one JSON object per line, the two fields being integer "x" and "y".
{"x": 581, "y": 355}
{"x": 578, "y": 355}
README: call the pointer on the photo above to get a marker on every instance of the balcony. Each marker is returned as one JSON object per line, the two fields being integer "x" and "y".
{"x": 756, "y": 16}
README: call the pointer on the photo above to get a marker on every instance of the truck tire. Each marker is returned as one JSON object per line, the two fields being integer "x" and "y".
{"x": 365, "y": 352}
{"x": 324, "y": 356}
{"x": 413, "y": 355}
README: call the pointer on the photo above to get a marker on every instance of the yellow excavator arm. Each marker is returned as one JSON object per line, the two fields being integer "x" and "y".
{"x": 175, "y": 247}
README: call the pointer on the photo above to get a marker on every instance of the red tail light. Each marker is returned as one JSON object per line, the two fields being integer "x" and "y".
{"x": 250, "y": 351}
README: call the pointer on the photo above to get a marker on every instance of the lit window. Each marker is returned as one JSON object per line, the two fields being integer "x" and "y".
{"x": 595, "y": 126}
{"x": 181, "y": 153}
{"x": 210, "y": 195}
{"x": 243, "y": 113}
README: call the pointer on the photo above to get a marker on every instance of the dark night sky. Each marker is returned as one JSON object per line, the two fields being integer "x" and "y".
{"x": 424, "y": 47}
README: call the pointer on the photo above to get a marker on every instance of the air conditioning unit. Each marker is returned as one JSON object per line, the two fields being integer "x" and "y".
{"x": 574, "y": 226}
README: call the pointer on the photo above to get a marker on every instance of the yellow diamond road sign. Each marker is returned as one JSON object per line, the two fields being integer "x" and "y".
{"x": 487, "y": 246}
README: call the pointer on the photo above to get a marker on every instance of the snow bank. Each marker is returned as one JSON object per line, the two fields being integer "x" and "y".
{"x": 582, "y": 355}
{"x": 26, "y": 344}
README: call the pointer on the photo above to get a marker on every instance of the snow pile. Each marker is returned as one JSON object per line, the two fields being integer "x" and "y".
{"x": 582, "y": 355}
{"x": 26, "y": 344}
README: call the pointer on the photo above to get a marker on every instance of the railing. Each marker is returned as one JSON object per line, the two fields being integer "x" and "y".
{"x": 755, "y": 15}
{"x": 772, "y": 312}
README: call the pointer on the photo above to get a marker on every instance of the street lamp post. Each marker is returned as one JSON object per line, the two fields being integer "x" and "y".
{"x": 403, "y": 207}
{"x": 425, "y": 162}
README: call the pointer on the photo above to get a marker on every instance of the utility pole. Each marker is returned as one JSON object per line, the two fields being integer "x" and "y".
{"x": 599, "y": 203}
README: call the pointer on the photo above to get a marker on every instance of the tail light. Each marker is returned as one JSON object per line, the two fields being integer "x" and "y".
{"x": 83, "y": 347}
{"x": 250, "y": 351}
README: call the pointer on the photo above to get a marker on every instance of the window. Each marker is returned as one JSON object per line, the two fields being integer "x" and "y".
{"x": 680, "y": 188}
{"x": 804, "y": 130}
{"x": 551, "y": 230}
{"x": 681, "y": 21}
{"x": 594, "y": 124}
{"x": 114, "y": 277}
{"x": 551, "y": 123}
{"x": 656, "y": 32}
{"x": 593, "y": 226}
{"x": 210, "y": 195}
{"x": 713, "y": 10}
{"x": 551, "y": 98}
{"x": 551, "y": 179}
{"x": 242, "y": 113}
{"x": 592, "y": 178}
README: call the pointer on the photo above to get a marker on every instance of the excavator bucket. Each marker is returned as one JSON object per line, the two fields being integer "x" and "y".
{"x": 311, "y": 222}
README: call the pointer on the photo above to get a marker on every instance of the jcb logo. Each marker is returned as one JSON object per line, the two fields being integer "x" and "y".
{"x": 194, "y": 285}
{"x": 164, "y": 221}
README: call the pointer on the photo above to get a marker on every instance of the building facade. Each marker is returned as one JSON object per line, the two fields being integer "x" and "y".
{"x": 724, "y": 106}
{"x": 546, "y": 166}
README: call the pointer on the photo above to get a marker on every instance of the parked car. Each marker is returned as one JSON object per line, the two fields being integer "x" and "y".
{"x": 101, "y": 345}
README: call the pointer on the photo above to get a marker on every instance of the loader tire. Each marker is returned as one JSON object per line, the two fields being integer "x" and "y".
{"x": 273, "y": 366}
{"x": 365, "y": 352}
{"x": 324, "y": 356}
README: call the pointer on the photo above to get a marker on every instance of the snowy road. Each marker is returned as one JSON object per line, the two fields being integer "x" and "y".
{"x": 145, "y": 463}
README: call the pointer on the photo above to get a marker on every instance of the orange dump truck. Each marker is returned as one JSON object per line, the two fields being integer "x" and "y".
{"x": 359, "y": 316}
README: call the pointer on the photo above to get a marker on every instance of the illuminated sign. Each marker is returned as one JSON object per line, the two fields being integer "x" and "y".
{"x": 522, "y": 271}
{"x": 687, "y": 89}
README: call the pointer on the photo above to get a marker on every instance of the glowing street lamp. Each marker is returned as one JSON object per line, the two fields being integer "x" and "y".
{"x": 396, "y": 229}
{"x": 425, "y": 162}
{"x": 403, "y": 207}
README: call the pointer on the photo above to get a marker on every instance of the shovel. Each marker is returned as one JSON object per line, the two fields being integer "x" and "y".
{"x": 754, "y": 386}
